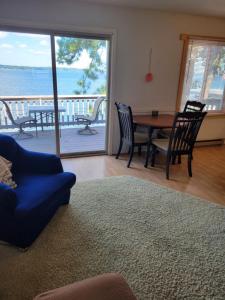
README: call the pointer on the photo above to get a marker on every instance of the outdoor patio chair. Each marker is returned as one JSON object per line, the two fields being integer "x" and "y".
{"x": 87, "y": 120}
{"x": 181, "y": 141}
{"x": 20, "y": 123}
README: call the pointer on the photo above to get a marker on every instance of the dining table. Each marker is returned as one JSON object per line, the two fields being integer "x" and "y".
{"x": 161, "y": 121}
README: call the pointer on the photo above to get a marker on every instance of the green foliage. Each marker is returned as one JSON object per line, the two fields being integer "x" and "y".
{"x": 218, "y": 67}
{"x": 102, "y": 90}
{"x": 218, "y": 63}
{"x": 70, "y": 51}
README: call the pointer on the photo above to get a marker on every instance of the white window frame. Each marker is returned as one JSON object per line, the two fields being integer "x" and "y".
{"x": 187, "y": 40}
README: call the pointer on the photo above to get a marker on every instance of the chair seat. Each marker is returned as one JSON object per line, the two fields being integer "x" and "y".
{"x": 165, "y": 133}
{"x": 140, "y": 138}
{"x": 35, "y": 190}
{"x": 161, "y": 143}
{"x": 84, "y": 118}
{"x": 23, "y": 120}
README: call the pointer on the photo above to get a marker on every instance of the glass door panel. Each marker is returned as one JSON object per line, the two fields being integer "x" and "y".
{"x": 27, "y": 109}
{"x": 82, "y": 83}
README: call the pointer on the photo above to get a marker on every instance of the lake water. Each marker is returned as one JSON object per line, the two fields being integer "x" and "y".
{"x": 38, "y": 81}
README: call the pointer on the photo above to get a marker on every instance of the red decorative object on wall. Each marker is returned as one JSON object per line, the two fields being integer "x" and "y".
{"x": 148, "y": 77}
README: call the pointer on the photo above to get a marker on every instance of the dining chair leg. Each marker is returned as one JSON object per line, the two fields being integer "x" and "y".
{"x": 174, "y": 159}
{"x": 168, "y": 159}
{"x": 147, "y": 155}
{"x": 189, "y": 165}
{"x": 150, "y": 132}
{"x": 131, "y": 155}
{"x": 179, "y": 159}
{"x": 119, "y": 149}
{"x": 36, "y": 129}
{"x": 139, "y": 150}
{"x": 153, "y": 153}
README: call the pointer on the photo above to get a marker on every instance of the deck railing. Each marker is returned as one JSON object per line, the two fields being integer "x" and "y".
{"x": 72, "y": 104}
{"x": 213, "y": 104}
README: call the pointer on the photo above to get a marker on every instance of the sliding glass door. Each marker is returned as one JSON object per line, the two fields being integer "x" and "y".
{"x": 54, "y": 91}
{"x": 26, "y": 90}
{"x": 82, "y": 80}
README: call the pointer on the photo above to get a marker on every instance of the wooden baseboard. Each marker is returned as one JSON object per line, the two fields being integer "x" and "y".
{"x": 209, "y": 143}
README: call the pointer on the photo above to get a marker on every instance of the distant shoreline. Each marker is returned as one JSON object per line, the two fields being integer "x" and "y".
{"x": 36, "y": 68}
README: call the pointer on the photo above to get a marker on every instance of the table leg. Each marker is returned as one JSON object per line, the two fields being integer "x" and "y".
{"x": 59, "y": 125}
{"x": 46, "y": 117}
{"x": 150, "y": 131}
{"x": 41, "y": 117}
{"x": 36, "y": 124}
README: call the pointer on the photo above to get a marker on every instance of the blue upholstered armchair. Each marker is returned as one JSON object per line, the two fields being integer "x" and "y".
{"x": 42, "y": 187}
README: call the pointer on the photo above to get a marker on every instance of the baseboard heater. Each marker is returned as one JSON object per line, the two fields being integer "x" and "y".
{"x": 202, "y": 143}
{"x": 209, "y": 142}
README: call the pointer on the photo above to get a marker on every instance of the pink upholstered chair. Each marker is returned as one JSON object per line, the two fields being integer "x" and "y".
{"x": 104, "y": 287}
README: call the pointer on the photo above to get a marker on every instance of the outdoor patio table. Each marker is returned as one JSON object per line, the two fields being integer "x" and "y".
{"x": 44, "y": 111}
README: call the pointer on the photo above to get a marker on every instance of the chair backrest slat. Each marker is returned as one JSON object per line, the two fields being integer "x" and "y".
{"x": 185, "y": 130}
{"x": 125, "y": 122}
{"x": 193, "y": 106}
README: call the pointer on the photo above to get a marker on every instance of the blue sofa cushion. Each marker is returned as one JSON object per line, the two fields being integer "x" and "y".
{"x": 8, "y": 198}
{"x": 39, "y": 163}
{"x": 34, "y": 191}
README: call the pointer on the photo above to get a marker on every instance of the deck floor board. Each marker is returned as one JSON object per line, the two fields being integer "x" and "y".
{"x": 70, "y": 141}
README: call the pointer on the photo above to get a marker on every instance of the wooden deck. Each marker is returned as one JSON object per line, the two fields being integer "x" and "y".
{"x": 70, "y": 141}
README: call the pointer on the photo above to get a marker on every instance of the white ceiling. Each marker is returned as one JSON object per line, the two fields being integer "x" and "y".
{"x": 197, "y": 7}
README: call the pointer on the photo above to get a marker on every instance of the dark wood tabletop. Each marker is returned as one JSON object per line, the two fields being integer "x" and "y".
{"x": 161, "y": 121}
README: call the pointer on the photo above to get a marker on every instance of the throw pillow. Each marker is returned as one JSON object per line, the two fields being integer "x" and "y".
{"x": 5, "y": 172}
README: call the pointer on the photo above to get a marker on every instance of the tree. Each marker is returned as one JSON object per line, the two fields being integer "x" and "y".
{"x": 70, "y": 51}
{"x": 102, "y": 89}
{"x": 216, "y": 67}
{"x": 212, "y": 59}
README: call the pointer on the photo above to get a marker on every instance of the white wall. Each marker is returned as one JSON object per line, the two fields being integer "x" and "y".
{"x": 137, "y": 31}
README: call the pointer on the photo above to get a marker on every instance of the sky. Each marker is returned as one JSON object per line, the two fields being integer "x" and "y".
{"x": 33, "y": 50}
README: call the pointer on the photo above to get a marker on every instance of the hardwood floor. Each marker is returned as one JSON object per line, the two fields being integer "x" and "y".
{"x": 208, "y": 179}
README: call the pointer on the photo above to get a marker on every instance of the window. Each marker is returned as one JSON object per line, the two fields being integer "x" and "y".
{"x": 203, "y": 73}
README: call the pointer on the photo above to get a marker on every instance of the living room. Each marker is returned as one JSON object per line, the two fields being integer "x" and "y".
{"x": 120, "y": 219}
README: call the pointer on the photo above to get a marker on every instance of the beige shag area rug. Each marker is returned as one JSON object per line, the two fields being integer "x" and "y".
{"x": 167, "y": 244}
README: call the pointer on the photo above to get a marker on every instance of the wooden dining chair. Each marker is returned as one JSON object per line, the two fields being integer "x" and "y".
{"x": 190, "y": 106}
{"x": 127, "y": 134}
{"x": 182, "y": 139}
{"x": 193, "y": 106}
